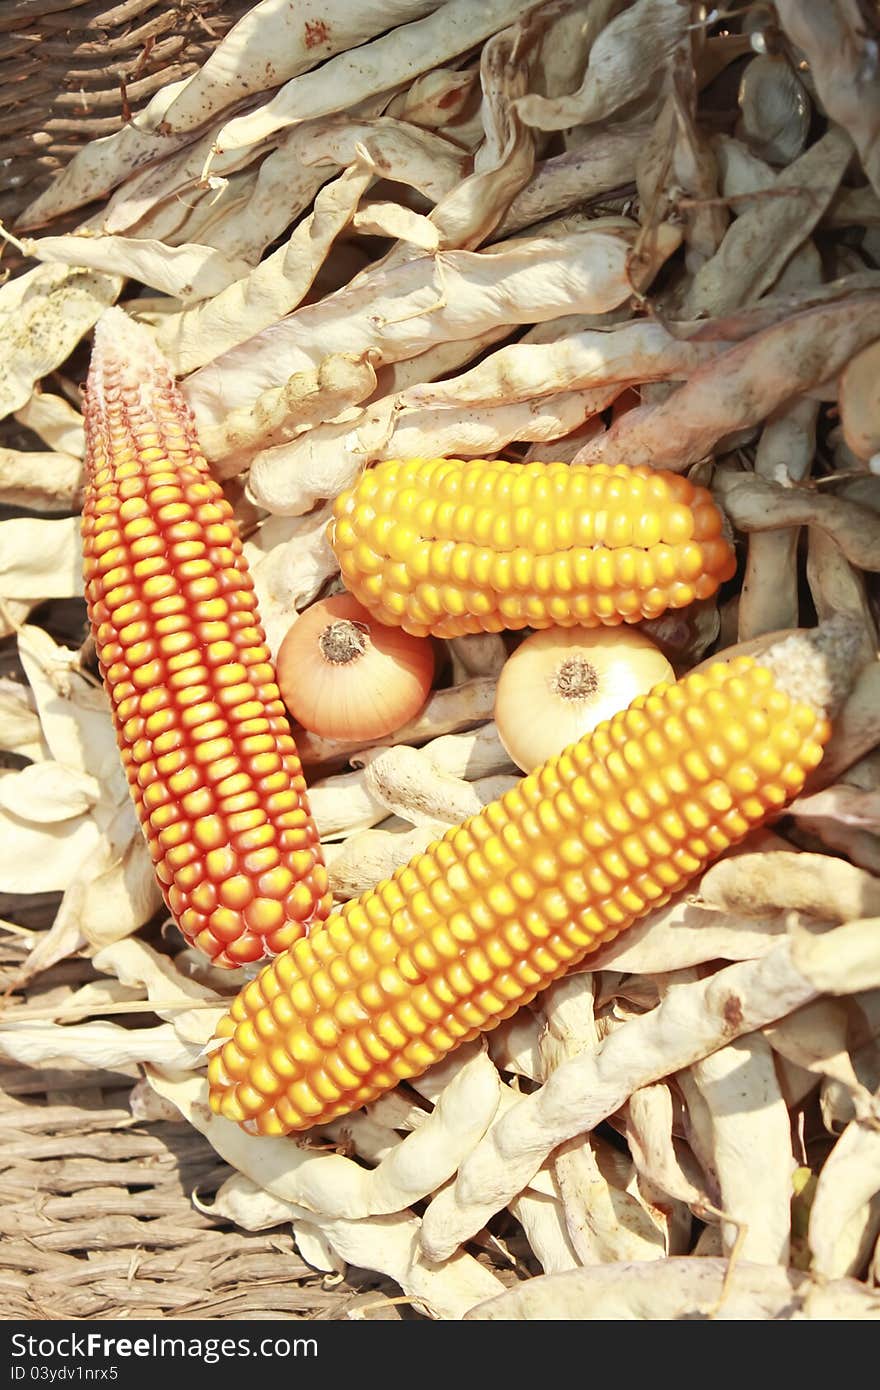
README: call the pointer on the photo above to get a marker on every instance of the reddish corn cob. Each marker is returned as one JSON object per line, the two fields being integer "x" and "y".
{"x": 473, "y": 928}
{"x": 448, "y": 547}
{"x": 203, "y": 734}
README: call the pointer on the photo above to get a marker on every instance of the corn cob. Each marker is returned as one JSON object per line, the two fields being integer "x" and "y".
{"x": 448, "y": 547}
{"x": 203, "y": 734}
{"x": 505, "y": 903}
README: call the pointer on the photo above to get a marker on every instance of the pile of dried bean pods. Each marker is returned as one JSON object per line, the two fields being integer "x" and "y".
{"x": 611, "y": 273}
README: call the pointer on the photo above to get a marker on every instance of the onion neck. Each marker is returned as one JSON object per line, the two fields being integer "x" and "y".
{"x": 342, "y": 642}
{"x": 575, "y": 678}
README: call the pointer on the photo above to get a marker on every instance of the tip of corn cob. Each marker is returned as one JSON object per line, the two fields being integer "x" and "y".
{"x": 124, "y": 349}
{"x": 816, "y": 667}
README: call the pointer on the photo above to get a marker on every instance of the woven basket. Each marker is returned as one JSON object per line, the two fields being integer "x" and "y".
{"x": 96, "y": 1211}
{"x": 71, "y": 70}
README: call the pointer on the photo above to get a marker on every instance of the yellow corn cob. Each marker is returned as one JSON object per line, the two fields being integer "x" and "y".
{"x": 203, "y": 734}
{"x": 473, "y": 928}
{"x": 448, "y": 547}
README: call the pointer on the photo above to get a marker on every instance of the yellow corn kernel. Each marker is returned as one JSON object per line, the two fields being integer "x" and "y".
{"x": 562, "y": 862}
{"x": 171, "y": 654}
{"x": 551, "y": 544}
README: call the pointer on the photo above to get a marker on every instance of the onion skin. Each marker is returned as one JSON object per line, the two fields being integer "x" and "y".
{"x": 538, "y": 709}
{"x": 360, "y": 694}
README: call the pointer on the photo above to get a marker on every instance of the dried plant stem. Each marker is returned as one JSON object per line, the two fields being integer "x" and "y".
{"x": 62, "y": 1014}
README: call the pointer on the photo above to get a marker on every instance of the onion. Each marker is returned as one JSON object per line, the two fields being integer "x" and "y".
{"x": 562, "y": 682}
{"x": 343, "y": 675}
